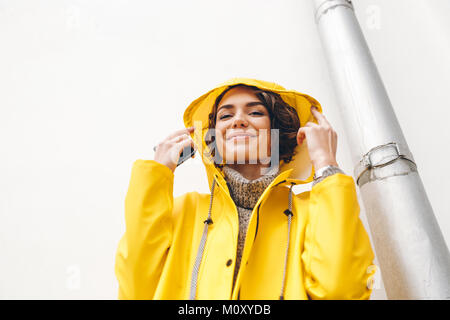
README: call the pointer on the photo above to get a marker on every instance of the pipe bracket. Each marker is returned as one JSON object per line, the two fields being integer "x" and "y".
{"x": 382, "y": 156}
{"x": 330, "y": 4}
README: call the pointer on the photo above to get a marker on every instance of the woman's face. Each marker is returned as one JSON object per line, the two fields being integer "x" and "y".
{"x": 242, "y": 128}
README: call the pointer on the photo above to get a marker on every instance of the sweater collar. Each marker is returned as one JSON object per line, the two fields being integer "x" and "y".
{"x": 245, "y": 193}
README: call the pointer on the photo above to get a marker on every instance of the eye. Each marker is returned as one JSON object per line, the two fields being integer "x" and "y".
{"x": 257, "y": 113}
{"x": 224, "y": 116}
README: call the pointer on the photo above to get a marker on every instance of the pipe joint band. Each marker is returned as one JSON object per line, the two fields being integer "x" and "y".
{"x": 382, "y": 156}
{"x": 326, "y": 5}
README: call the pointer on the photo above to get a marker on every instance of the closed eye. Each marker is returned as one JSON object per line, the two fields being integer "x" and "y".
{"x": 252, "y": 113}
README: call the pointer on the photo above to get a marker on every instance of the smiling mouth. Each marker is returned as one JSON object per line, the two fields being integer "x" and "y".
{"x": 241, "y": 137}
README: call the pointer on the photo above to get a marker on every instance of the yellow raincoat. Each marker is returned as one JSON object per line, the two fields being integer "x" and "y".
{"x": 329, "y": 252}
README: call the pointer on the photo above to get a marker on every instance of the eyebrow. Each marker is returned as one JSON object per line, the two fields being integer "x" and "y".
{"x": 248, "y": 104}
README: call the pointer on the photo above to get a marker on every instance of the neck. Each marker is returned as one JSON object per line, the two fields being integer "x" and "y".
{"x": 250, "y": 171}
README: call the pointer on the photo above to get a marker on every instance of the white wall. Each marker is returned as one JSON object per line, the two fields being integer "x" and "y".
{"x": 87, "y": 87}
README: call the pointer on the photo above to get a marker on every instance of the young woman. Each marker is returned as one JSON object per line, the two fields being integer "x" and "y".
{"x": 252, "y": 237}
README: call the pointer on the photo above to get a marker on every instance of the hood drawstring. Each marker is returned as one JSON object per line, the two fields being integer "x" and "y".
{"x": 289, "y": 214}
{"x": 201, "y": 247}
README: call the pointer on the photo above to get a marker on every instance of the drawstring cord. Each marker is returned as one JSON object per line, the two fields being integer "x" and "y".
{"x": 201, "y": 247}
{"x": 289, "y": 214}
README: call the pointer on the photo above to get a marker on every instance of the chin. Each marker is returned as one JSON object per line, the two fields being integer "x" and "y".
{"x": 241, "y": 157}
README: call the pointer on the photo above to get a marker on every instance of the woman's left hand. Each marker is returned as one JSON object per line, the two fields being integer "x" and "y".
{"x": 321, "y": 140}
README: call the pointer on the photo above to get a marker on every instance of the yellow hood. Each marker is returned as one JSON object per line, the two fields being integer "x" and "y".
{"x": 198, "y": 111}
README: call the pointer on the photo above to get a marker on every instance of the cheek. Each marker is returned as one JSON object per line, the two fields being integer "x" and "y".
{"x": 219, "y": 134}
{"x": 264, "y": 141}
{"x": 264, "y": 130}
{"x": 262, "y": 123}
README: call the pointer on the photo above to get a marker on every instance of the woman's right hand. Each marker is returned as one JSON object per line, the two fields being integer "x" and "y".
{"x": 168, "y": 151}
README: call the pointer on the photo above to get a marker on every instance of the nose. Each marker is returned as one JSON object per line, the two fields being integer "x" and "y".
{"x": 239, "y": 122}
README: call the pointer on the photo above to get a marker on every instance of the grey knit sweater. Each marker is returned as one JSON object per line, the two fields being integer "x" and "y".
{"x": 245, "y": 193}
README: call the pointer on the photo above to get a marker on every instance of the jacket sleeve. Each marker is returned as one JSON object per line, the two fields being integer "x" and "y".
{"x": 143, "y": 248}
{"x": 337, "y": 254}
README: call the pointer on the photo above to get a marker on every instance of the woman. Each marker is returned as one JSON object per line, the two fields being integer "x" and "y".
{"x": 251, "y": 238}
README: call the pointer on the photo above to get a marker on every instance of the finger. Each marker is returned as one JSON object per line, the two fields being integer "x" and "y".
{"x": 172, "y": 141}
{"x": 180, "y": 132}
{"x": 320, "y": 117}
{"x": 180, "y": 138}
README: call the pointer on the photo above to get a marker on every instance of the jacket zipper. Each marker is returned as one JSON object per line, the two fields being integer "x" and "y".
{"x": 257, "y": 221}
{"x": 256, "y": 232}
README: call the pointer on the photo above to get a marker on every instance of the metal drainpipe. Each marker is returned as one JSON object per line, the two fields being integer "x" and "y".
{"x": 413, "y": 256}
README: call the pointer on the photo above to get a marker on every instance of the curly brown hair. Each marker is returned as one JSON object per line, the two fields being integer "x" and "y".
{"x": 282, "y": 117}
